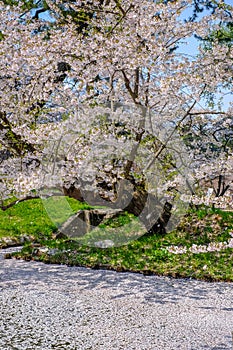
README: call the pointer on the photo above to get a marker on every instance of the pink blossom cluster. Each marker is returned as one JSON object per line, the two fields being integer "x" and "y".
{"x": 195, "y": 248}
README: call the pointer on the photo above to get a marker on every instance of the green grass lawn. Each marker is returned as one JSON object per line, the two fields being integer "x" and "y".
{"x": 31, "y": 218}
{"x": 137, "y": 253}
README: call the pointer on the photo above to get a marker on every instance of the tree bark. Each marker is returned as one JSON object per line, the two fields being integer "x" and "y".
{"x": 151, "y": 212}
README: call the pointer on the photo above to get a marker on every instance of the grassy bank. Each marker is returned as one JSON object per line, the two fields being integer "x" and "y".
{"x": 201, "y": 230}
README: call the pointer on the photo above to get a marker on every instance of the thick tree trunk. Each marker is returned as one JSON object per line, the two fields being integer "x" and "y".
{"x": 153, "y": 214}
{"x": 137, "y": 201}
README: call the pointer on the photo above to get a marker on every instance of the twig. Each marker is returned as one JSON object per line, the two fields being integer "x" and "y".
{"x": 10, "y": 205}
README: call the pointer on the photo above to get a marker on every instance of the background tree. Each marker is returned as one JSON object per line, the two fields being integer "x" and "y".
{"x": 213, "y": 136}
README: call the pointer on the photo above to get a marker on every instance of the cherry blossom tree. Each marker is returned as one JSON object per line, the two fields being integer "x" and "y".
{"x": 103, "y": 111}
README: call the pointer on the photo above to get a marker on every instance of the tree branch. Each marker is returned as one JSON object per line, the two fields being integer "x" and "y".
{"x": 36, "y": 15}
{"x": 128, "y": 87}
{"x": 14, "y": 141}
{"x": 136, "y": 84}
{"x": 206, "y": 112}
{"x": 10, "y": 205}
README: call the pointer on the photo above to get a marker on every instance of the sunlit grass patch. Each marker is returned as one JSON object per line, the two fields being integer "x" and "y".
{"x": 131, "y": 251}
{"x": 31, "y": 217}
{"x": 60, "y": 208}
{"x": 119, "y": 230}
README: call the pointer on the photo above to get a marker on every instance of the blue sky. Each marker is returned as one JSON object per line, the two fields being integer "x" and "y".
{"x": 191, "y": 48}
